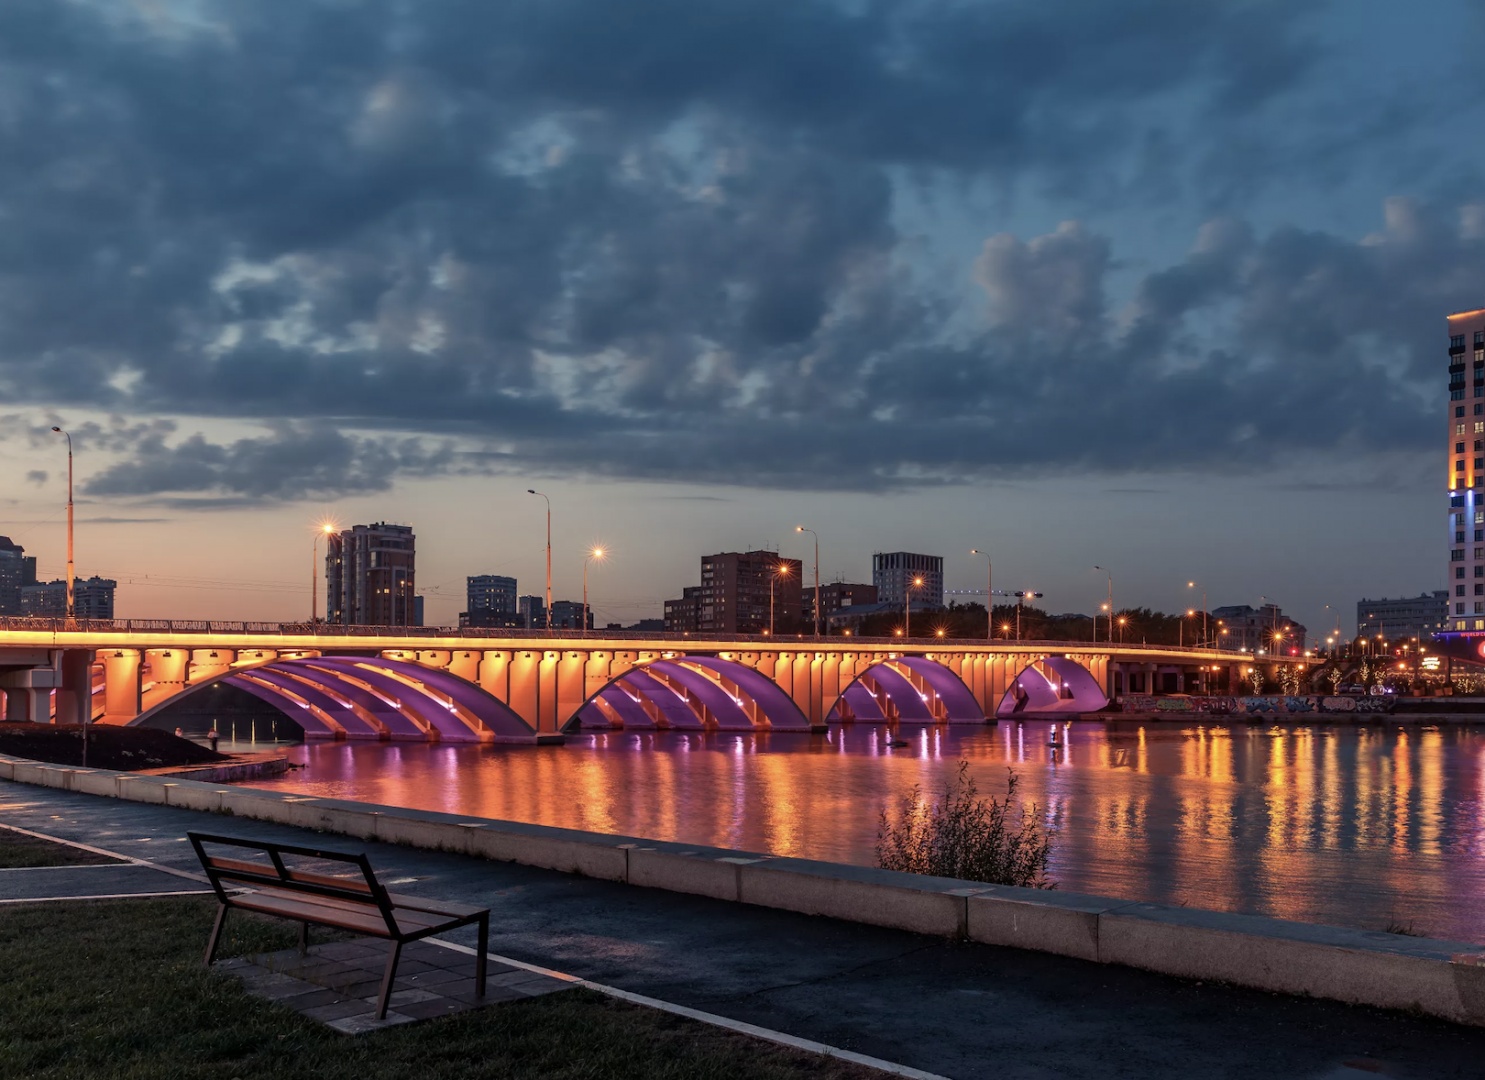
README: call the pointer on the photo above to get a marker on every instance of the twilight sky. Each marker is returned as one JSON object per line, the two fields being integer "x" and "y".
{"x": 1158, "y": 285}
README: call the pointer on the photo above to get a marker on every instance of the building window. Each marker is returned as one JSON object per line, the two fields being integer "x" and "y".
{"x": 1459, "y": 571}
{"x": 1459, "y": 410}
{"x": 1459, "y": 448}
{"x": 1459, "y": 536}
{"x": 1459, "y": 465}
{"x": 1459, "y": 429}
{"x": 1459, "y": 590}
{"x": 1480, "y": 337}
{"x": 1456, "y": 395}
{"x": 1456, "y": 341}
{"x": 1459, "y": 608}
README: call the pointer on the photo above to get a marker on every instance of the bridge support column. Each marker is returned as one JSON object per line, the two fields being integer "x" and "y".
{"x": 122, "y": 680}
{"x": 75, "y": 698}
{"x": 27, "y": 704}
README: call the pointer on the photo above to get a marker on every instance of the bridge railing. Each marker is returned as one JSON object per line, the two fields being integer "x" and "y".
{"x": 298, "y": 629}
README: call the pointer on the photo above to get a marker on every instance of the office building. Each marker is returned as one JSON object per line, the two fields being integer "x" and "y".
{"x": 1420, "y": 616}
{"x": 490, "y": 601}
{"x": 1265, "y": 628}
{"x": 17, "y": 569}
{"x": 92, "y": 598}
{"x": 892, "y": 572}
{"x": 568, "y": 615}
{"x": 835, "y": 598}
{"x": 369, "y": 576}
{"x": 683, "y": 616}
{"x": 531, "y": 613}
{"x": 1465, "y": 470}
{"x": 736, "y": 592}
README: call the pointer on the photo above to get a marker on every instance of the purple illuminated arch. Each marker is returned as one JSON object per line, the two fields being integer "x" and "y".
{"x": 688, "y": 692}
{"x": 1052, "y": 686}
{"x": 910, "y": 689}
{"x": 372, "y": 698}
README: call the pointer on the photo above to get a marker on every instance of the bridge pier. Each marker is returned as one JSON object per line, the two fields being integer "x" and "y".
{"x": 75, "y": 696}
{"x": 123, "y": 685}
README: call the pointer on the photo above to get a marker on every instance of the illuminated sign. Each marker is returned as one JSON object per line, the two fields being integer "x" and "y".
{"x": 1430, "y": 663}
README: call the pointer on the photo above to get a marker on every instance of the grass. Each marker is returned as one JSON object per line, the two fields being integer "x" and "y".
{"x": 19, "y": 850}
{"x": 115, "y": 990}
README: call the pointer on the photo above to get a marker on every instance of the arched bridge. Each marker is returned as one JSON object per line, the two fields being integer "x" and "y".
{"x": 452, "y": 686}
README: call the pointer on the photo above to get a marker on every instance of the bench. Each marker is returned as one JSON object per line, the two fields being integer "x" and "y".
{"x": 257, "y": 876}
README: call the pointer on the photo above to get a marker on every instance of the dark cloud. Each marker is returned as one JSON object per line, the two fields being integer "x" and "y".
{"x": 663, "y": 239}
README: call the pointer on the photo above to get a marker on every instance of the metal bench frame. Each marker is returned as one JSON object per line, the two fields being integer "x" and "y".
{"x": 359, "y": 904}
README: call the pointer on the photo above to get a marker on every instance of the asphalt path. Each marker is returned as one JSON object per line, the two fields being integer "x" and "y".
{"x": 960, "y": 1009}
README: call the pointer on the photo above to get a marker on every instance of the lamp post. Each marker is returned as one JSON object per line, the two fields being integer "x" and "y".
{"x": 597, "y": 553}
{"x": 802, "y": 529}
{"x": 533, "y": 491}
{"x": 990, "y": 595}
{"x": 1022, "y": 596}
{"x": 1122, "y": 621}
{"x": 1192, "y": 585}
{"x": 71, "y": 595}
{"x": 1101, "y": 570}
{"x": 781, "y": 570}
{"x": 907, "y": 605}
{"x": 314, "y": 573}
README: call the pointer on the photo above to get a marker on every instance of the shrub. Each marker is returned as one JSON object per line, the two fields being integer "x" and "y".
{"x": 997, "y": 841}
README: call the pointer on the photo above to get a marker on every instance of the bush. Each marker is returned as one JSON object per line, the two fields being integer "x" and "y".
{"x": 999, "y": 842}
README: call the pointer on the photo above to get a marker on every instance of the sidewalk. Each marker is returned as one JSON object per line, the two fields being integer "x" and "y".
{"x": 962, "y": 1010}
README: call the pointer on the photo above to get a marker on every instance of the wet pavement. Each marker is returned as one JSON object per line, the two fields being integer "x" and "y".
{"x": 962, "y": 1010}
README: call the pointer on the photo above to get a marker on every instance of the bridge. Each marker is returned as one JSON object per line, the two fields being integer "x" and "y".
{"x": 458, "y": 685}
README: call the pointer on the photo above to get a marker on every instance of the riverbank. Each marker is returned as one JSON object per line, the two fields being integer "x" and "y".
{"x": 1437, "y": 978}
{"x": 109, "y": 746}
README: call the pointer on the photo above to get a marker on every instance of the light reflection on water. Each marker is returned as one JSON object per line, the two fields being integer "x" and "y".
{"x": 1359, "y": 826}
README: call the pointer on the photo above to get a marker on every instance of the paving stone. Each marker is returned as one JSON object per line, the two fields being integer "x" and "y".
{"x": 411, "y": 997}
{"x": 431, "y": 1010}
{"x": 338, "y": 1010}
{"x": 355, "y": 1025}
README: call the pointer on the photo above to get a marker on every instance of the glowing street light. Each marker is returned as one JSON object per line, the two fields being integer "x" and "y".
{"x": 1122, "y": 622}
{"x": 1101, "y": 570}
{"x": 1193, "y": 585}
{"x": 599, "y": 554}
{"x": 907, "y": 604}
{"x": 326, "y": 529}
{"x": 779, "y": 571}
{"x": 533, "y": 491}
{"x": 802, "y": 529}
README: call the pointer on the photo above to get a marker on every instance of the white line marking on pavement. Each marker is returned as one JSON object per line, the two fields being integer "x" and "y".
{"x": 111, "y": 854}
{"x": 767, "y": 1034}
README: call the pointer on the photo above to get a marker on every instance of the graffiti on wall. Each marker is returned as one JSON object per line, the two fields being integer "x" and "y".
{"x": 1254, "y": 705}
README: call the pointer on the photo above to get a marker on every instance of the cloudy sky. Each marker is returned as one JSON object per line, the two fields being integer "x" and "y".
{"x": 1157, "y": 285}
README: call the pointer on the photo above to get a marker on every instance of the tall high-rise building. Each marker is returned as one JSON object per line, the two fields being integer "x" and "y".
{"x": 734, "y": 595}
{"x": 1466, "y": 471}
{"x": 369, "y": 576}
{"x": 531, "y": 612}
{"x": 892, "y": 571}
{"x": 490, "y": 601}
{"x": 17, "y": 569}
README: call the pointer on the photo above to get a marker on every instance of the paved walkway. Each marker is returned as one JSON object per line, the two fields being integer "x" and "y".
{"x": 962, "y": 1010}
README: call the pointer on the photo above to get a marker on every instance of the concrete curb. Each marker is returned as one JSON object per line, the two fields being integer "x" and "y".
{"x": 1438, "y": 978}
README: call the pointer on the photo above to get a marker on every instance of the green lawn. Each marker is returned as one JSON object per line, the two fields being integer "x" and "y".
{"x": 19, "y": 850}
{"x": 116, "y": 989}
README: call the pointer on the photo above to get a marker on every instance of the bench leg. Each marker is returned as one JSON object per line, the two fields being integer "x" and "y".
{"x": 479, "y": 957}
{"x": 216, "y": 933}
{"x": 303, "y": 938}
{"x": 381, "y": 1006}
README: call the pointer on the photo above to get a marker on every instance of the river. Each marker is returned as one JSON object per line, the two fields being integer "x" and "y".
{"x": 1360, "y": 826}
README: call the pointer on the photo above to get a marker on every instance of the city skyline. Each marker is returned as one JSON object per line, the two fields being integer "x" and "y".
{"x": 1159, "y": 288}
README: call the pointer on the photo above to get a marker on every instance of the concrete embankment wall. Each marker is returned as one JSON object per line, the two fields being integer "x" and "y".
{"x": 1438, "y": 978}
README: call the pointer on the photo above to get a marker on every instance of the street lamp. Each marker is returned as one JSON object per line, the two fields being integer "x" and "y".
{"x": 802, "y": 529}
{"x": 907, "y": 605}
{"x": 599, "y": 554}
{"x": 990, "y": 594}
{"x": 1101, "y": 570}
{"x": 71, "y": 596}
{"x": 314, "y": 573}
{"x": 1024, "y": 595}
{"x": 1192, "y": 585}
{"x": 1122, "y": 621}
{"x": 533, "y": 491}
{"x": 1181, "y": 631}
{"x": 781, "y": 570}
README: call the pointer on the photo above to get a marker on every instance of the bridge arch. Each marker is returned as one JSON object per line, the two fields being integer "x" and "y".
{"x": 908, "y": 689}
{"x": 359, "y": 697}
{"x": 697, "y": 692}
{"x": 1053, "y": 685}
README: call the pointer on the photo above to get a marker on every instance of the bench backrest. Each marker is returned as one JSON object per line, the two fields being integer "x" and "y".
{"x": 260, "y": 863}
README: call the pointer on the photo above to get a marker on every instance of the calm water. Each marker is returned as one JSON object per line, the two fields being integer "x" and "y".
{"x": 1358, "y": 826}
